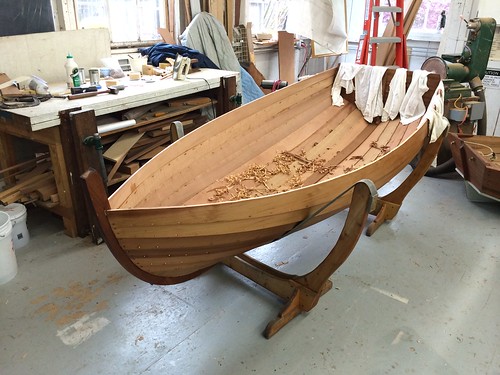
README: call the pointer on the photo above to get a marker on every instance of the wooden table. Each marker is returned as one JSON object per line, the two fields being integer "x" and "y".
{"x": 48, "y": 124}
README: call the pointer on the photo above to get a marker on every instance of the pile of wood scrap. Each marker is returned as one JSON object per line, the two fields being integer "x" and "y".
{"x": 30, "y": 182}
{"x": 125, "y": 151}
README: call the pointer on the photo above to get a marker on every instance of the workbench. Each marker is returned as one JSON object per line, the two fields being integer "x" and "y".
{"x": 50, "y": 124}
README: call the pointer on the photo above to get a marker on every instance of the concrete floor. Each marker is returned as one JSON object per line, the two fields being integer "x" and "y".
{"x": 421, "y": 296}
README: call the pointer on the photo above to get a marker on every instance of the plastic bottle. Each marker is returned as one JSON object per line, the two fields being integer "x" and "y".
{"x": 70, "y": 65}
{"x": 75, "y": 76}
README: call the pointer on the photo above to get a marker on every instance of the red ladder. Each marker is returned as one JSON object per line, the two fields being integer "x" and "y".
{"x": 372, "y": 14}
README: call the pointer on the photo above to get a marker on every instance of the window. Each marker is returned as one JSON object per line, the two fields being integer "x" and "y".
{"x": 127, "y": 20}
{"x": 428, "y": 18}
{"x": 267, "y": 15}
{"x": 270, "y": 15}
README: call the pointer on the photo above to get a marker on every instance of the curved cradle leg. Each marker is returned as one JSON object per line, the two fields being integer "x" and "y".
{"x": 303, "y": 292}
{"x": 388, "y": 206}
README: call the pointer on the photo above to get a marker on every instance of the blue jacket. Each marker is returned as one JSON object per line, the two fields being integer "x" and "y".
{"x": 157, "y": 54}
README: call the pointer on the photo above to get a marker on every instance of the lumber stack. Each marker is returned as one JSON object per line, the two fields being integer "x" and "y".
{"x": 226, "y": 12}
{"x": 386, "y": 53}
{"x": 30, "y": 182}
{"x": 126, "y": 150}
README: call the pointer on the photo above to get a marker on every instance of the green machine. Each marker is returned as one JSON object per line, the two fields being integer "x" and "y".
{"x": 465, "y": 102}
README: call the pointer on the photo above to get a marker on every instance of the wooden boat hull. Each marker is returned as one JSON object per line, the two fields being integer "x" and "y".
{"x": 161, "y": 224}
{"x": 180, "y": 240}
{"x": 476, "y": 161}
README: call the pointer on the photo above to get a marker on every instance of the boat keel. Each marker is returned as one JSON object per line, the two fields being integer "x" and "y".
{"x": 302, "y": 293}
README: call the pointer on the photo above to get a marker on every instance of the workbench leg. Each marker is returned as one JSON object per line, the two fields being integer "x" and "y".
{"x": 226, "y": 95}
{"x": 7, "y": 157}
{"x": 62, "y": 179}
{"x": 75, "y": 210}
{"x": 230, "y": 93}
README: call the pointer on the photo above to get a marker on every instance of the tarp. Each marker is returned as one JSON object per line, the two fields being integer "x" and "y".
{"x": 323, "y": 21}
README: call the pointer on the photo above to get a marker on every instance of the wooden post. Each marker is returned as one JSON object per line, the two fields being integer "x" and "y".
{"x": 216, "y": 8}
{"x": 71, "y": 169}
{"x": 229, "y": 19}
{"x": 237, "y": 12}
{"x": 187, "y": 9}
{"x": 228, "y": 93}
{"x": 286, "y": 56}
{"x": 76, "y": 124}
{"x": 83, "y": 125}
{"x": 7, "y": 156}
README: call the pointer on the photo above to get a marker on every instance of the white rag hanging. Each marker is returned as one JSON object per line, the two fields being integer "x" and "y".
{"x": 368, "y": 96}
{"x": 435, "y": 114}
{"x": 344, "y": 79}
{"x": 397, "y": 91}
{"x": 413, "y": 107}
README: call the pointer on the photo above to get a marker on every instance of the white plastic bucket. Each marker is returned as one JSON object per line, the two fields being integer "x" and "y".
{"x": 18, "y": 214}
{"x": 8, "y": 262}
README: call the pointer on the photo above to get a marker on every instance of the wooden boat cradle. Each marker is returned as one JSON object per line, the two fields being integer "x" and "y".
{"x": 301, "y": 293}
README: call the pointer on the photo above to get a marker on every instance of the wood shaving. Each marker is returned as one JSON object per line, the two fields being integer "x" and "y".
{"x": 383, "y": 149}
{"x": 253, "y": 182}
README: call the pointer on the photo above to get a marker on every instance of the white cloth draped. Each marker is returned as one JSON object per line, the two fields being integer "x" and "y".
{"x": 323, "y": 21}
{"x": 367, "y": 82}
{"x": 397, "y": 91}
{"x": 344, "y": 79}
{"x": 413, "y": 107}
{"x": 368, "y": 94}
{"x": 435, "y": 114}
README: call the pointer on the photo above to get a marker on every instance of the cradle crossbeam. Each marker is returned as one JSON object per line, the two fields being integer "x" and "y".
{"x": 302, "y": 293}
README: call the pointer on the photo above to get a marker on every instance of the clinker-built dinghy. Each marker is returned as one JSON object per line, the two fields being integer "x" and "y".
{"x": 256, "y": 174}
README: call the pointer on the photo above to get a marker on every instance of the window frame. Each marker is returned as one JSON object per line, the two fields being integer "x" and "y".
{"x": 68, "y": 20}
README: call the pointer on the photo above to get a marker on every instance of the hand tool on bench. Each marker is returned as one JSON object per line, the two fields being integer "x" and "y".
{"x": 81, "y": 89}
{"x": 111, "y": 90}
